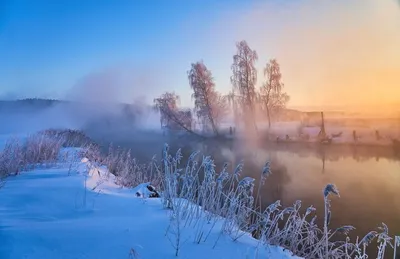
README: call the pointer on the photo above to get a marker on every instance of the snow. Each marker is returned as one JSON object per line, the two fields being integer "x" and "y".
{"x": 82, "y": 213}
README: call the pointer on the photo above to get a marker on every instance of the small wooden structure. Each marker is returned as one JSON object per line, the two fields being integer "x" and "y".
{"x": 322, "y": 136}
{"x": 322, "y": 132}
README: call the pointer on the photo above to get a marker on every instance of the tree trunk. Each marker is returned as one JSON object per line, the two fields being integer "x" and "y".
{"x": 255, "y": 123}
{"x": 215, "y": 129}
{"x": 235, "y": 115}
{"x": 269, "y": 118}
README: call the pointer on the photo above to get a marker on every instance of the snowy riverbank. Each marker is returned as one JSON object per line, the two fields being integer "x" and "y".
{"x": 62, "y": 213}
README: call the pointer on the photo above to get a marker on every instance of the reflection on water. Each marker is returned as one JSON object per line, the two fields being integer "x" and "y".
{"x": 368, "y": 181}
{"x": 368, "y": 178}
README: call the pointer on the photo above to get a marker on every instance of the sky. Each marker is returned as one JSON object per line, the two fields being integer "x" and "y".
{"x": 332, "y": 53}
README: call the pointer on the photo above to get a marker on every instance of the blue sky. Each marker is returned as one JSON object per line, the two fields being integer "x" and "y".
{"x": 125, "y": 50}
{"x": 48, "y": 47}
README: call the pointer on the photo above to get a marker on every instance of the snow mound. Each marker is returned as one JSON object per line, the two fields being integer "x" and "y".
{"x": 53, "y": 213}
{"x": 145, "y": 190}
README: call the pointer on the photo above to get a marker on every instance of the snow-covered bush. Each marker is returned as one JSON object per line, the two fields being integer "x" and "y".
{"x": 41, "y": 149}
{"x": 198, "y": 197}
{"x": 11, "y": 157}
{"x": 128, "y": 171}
{"x": 37, "y": 149}
{"x": 120, "y": 163}
{"x": 72, "y": 138}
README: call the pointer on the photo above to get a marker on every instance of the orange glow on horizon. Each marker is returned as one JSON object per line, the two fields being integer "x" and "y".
{"x": 341, "y": 53}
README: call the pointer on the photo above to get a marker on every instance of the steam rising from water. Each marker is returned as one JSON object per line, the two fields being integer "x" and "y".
{"x": 94, "y": 97}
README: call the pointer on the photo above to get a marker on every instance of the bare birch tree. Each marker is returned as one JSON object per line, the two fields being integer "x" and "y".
{"x": 167, "y": 105}
{"x": 209, "y": 105}
{"x": 244, "y": 79}
{"x": 272, "y": 96}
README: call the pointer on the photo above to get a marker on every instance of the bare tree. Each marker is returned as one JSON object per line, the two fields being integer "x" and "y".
{"x": 167, "y": 105}
{"x": 170, "y": 115}
{"x": 209, "y": 105}
{"x": 272, "y": 96}
{"x": 244, "y": 79}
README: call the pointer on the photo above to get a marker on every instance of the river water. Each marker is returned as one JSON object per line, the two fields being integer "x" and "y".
{"x": 368, "y": 178}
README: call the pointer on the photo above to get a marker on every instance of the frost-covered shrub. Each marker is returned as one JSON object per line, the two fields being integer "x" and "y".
{"x": 72, "y": 138}
{"x": 37, "y": 149}
{"x": 41, "y": 149}
{"x": 119, "y": 162}
{"x": 198, "y": 196}
{"x": 11, "y": 158}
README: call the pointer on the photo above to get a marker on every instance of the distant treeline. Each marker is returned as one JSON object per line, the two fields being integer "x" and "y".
{"x": 28, "y": 105}
{"x": 36, "y": 104}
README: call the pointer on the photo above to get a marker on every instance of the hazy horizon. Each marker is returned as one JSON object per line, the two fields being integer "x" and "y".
{"x": 386, "y": 111}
